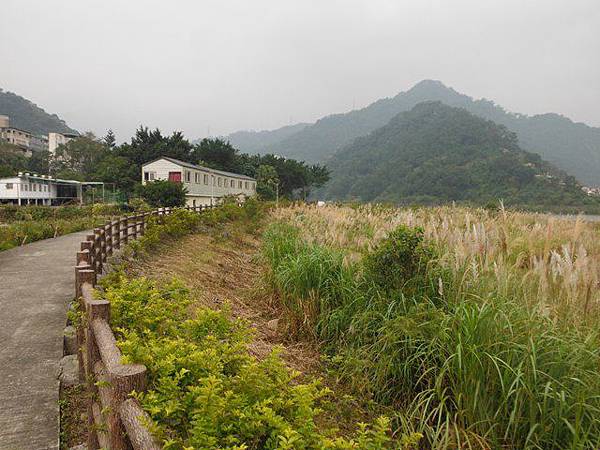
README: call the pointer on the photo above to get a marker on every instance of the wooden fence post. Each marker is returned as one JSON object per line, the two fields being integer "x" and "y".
{"x": 126, "y": 230}
{"x": 143, "y": 224}
{"x": 95, "y": 309}
{"x": 103, "y": 244}
{"x": 135, "y": 226}
{"x": 83, "y": 274}
{"x": 117, "y": 233}
{"x": 108, "y": 231}
{"x": 98, "y": 250}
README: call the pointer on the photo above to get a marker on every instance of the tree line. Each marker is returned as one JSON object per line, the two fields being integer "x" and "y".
{"x": 100, "y": 159}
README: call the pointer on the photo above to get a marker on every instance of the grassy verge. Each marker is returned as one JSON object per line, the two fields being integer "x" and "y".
{"x": 25, "y": 224}
{"x": 209, "y": 387}
{"x": 479, "y": 327}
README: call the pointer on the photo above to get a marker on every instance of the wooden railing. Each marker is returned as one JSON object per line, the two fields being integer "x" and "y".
{"x": 115, "y": 421}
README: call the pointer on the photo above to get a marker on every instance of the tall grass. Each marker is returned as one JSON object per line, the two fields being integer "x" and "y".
{"x": 492, "y": 352}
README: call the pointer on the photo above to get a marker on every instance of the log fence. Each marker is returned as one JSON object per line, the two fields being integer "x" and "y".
{"x": 115, "y": 421}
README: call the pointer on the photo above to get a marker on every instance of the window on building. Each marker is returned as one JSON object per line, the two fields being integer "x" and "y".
{"x": 205, "y": 179}
{"x": 246, "y": 185}
{"x": 219, "y": 182}
{"x": 188, "y": 176}
{"x": 9, "y": 186}
{"x": 253, "y": 185}
{"x": 34, "y": 187}
{"x": 148, "y": 176}
{"x": 239, "y": 184}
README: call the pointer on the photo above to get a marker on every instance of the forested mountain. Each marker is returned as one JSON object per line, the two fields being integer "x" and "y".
{"x": 435, "y": 153}
{"x": 257, "y": 141}
{"x": 574, "y": 147}
{"x": 29, "y": 117}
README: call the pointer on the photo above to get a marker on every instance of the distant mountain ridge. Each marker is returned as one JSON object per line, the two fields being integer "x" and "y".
{"x": 573, "y": 147}
{"x": 256, "y": 141}
{"x": 27, "y": 116}
{"x": 436, "y": 153}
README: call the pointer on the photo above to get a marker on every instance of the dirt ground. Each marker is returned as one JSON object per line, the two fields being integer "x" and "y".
{"x": 223, "y": 267}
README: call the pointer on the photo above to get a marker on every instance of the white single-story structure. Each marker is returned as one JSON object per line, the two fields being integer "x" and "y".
{"x": 204, "y": 186}
{"x": 33, "y": 189}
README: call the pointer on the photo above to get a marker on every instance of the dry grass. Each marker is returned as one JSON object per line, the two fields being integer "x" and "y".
{"x": 552, "y": 263}
{"x": 220, "y": 269}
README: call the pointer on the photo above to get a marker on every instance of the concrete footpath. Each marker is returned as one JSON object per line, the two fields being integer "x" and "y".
{"x": 36, "y": 285}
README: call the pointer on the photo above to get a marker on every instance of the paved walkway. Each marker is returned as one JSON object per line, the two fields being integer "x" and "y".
{"x": 36, "y": 285}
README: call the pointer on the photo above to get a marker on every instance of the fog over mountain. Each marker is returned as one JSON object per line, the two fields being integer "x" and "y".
{"x": 573, "y": 147}
{"x": 220, "y": 66}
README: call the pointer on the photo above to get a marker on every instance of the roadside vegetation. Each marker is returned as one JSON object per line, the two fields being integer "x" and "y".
{"x": 211, "y": 385}
{"x": 478, "y": 327}
{"x": 364, "y": 327}
{"x": 20, "y": 225}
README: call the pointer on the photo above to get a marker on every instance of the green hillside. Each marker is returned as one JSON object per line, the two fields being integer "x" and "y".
{"x": 28, "y": 116}
{"x": 437, "y": 154}
{"x": 574, "y": 147}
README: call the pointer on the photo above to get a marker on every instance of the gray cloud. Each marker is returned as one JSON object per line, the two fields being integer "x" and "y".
{"x": 228, "y": 65}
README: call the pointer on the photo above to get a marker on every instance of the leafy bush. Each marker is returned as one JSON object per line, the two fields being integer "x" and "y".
{"x": 163, "y": 193}
{"x": 400, "y": 261}
{"x": 139, "y": 204}
{"x": 206, "y": 390}
{"x": 160, "y": 228}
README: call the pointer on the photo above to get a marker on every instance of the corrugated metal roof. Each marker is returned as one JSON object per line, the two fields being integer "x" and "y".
{"x": 194, "y": 166}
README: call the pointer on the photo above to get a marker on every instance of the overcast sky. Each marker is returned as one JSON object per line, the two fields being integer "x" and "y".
{"x": 258, "y": 64}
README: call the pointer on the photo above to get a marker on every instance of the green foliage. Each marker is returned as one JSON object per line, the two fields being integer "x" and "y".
{"x": 399, "y": 262}
{"x": 163, "y": 193}
{"x": 436, "y": 154}
{"x": 162, "y": 228}
{"x": 294, "y": 178}
{"x": 464, "y": 366}
{"x": 206, "y": 390}
{"x": 78, "y": 158}
{"x": 24, "y": 224}
{"x": 267, "y": 182}
{"x": 12, "y": 159}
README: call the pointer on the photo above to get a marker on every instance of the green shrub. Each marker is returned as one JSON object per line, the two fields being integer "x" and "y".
{"x": 161, "y": 228}
{"x": 207, "y": 391}
{"x": 163, "y": 193}
{"x": 400, "y": 261}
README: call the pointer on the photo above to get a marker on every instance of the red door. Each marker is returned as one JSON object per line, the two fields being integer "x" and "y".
{"x": 175, "y": 177}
